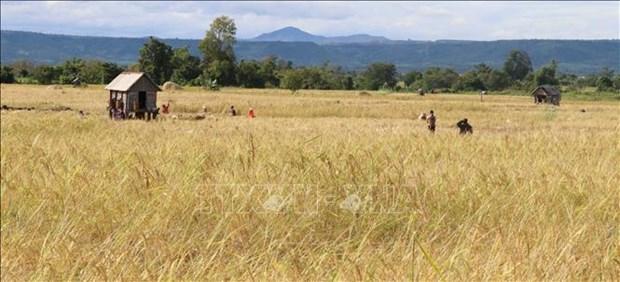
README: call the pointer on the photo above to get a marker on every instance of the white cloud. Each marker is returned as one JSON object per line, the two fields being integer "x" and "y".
{"x": 396, "y": 20}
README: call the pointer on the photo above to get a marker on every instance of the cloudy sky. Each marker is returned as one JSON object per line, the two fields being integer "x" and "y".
{"x": 395, "y": 20}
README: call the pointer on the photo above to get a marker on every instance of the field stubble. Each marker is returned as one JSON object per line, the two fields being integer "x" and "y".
{"x": 322, "y": 185}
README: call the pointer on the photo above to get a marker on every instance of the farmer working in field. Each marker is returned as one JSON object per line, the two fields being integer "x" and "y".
{"x": 118, "y": 114}
{"x": 119, "y": 104}
{"x": 431, "y": 120}
{"x": 251, "y": 113}
{"x": 464, "y": 127}
{"x": 233, "y": 111}
{"x": 165, "y": 108}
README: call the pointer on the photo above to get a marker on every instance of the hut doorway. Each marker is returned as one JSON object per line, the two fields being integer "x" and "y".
{"x": 142, "y": 100}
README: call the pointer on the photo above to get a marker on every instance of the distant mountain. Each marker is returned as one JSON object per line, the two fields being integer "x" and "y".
{"x": 574, "y": 56}
{"x": 293, "y": 34}
{"x": 288, "y": 34}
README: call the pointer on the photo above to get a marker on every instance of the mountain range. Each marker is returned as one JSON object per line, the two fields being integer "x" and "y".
{"x": 293, "y": 34}
{"x": 353, "y": 52}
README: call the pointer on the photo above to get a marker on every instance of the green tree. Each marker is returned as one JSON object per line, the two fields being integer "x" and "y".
{"x": 332, "y": 77}
{"x": 377, "y": 75}
{"x": 109, "y": 71}
{"x": 220, "y": 72}
{"x": 22, "y": 68}
{"x": 348, "y": 83}
{"x": 98, "y": 72}
{"x": 249, "y": 75}
{"x": 292, "y": 79}
{"x": 45, "y": 74}
{"x": 314, "y": 78}
{"x": 546, "y": 75}
{"x": 586, "y": 81}
{"x": 482, "y": 69}
{"x": 617, "y": 82}
{"x": 268, "y": 71}
{"x": 411, "y": 77}
{"x": 496, "y": 80}
{"x": 91, "y": 72}
{"x": 437, "y": 78}
{"x": 218, "y": 53}
{"x": 518, "y": 64}
{"x": 186, "y": 67}
{"x": 470, "y": 81}
{"x": 567, "y": 79}
{"x": 284, "y": 65}
{"x": 483, "y": 77}
{"x": 605, "y": 82}
{"x": 6, "y": 75}
{"x": 156, "y": 60}
{"x": 71, "y": 69}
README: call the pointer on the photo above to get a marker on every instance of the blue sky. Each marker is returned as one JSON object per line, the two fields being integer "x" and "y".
{"x": 395, "y": 20}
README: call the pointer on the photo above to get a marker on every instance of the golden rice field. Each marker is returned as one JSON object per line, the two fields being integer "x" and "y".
{"x": 322, "y": 185}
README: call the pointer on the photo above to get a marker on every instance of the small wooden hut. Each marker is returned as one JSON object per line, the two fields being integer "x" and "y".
{"x": 546, "y": 94}
{"x": 133, "y": 95}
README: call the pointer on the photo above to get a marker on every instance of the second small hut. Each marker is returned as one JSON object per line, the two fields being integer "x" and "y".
{"x": 546, "y": 94}
{"x": 133, "y": 95}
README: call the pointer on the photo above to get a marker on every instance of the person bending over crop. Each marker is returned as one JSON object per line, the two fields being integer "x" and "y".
{"x": 165, "y": 108}
{"x": 464, "y": 127}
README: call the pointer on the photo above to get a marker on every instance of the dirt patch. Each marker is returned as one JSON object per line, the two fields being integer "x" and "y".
{"x": 60, "y": 109}
{"x": 52, "y": 109}
{"x": 9, "y": 108}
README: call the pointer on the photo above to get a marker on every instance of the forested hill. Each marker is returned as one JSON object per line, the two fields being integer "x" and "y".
{"x": 575, "y": 56}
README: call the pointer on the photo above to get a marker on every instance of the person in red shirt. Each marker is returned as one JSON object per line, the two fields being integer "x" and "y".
{"x": 165, "y": 108}
{"x": 251, "y": 113}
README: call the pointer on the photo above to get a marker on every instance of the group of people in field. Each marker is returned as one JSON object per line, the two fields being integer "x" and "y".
{"x": 431, "y": 120}
{"x": 232, "y": 111}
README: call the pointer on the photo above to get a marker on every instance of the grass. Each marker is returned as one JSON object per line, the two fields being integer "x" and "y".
{"x": 361, "y": 190}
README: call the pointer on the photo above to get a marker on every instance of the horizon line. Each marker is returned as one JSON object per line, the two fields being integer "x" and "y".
{"x": 252, "y": 39}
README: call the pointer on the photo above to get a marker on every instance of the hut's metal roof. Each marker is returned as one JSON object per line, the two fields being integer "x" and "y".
{"x": 125, "y": 80}
{"x": 550, "y": 90}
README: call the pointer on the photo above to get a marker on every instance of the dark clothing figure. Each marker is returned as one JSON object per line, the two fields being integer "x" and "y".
{"x": 233, "y": 111}
{"x": 118, "y": 114}
{"x": 464, "y": 127}
{"x": 431, "y": 120}
{"x": 155, "y": 113}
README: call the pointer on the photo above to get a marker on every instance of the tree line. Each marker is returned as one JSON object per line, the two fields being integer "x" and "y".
{"x": 218, "y": 65}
